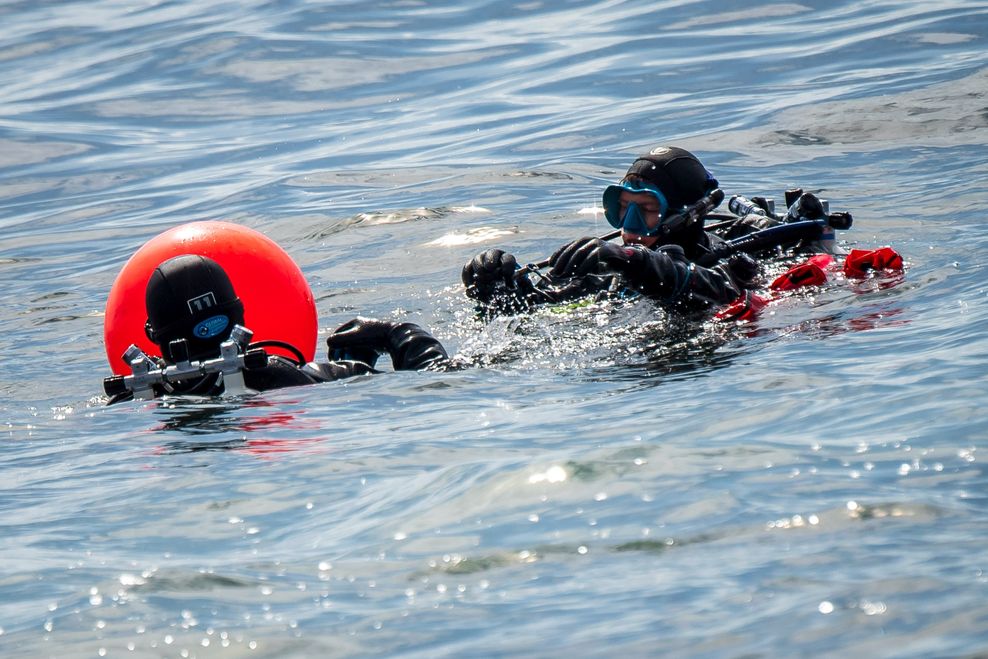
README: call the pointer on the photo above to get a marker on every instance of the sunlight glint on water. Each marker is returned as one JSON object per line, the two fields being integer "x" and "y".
{"x": 600, "y": 481}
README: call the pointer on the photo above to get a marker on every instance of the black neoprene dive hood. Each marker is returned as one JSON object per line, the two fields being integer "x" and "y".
{"x": 680, "y": 176}
{"x": 191, "y": 297}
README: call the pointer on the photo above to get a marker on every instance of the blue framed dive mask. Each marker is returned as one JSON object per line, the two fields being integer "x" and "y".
{"x": 633, "y": 219}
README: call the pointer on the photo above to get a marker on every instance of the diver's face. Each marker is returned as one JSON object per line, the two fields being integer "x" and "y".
{"x": 651, "y": 211}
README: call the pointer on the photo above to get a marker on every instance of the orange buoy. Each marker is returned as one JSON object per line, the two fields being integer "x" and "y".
{"x": 278, "y": 303}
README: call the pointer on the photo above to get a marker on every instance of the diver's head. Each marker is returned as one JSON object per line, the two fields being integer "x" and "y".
{"x": 191, "y": 297}
{"x": 658, "y": 184}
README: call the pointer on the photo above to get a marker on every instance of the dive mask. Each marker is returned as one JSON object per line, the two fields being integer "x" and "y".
{"x": 633, "y": 220}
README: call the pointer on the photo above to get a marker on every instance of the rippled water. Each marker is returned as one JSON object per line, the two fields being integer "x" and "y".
{"x": 597, "y": 482}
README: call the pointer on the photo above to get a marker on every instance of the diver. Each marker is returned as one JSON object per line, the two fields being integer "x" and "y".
{"x": 197, "y": 321}
{"x": 659, "y": 206}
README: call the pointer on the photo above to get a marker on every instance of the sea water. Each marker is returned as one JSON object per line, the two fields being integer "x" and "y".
{"x": 598, "y": 482}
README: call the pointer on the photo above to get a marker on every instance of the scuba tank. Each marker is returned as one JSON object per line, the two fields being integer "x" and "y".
{"x": 743, "y": 207}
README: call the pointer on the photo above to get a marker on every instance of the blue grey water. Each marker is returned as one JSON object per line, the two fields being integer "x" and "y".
{"x": 596, "y": 483}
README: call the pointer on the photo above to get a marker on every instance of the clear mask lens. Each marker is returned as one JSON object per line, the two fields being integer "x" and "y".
{"x": 632, "y": 217}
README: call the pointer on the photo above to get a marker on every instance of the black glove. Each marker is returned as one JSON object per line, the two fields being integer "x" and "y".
{"x": 587, "y": 255}
{"x": 361, "y": 339}
{"x": 743, "y": 270}
{"x": 487, "y": 273}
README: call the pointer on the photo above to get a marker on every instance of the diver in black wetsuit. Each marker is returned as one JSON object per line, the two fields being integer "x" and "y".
{"x": 658, "y": 257}
{"x": 193, "y": 309}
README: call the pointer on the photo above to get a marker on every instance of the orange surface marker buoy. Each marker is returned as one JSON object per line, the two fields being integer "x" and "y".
{"x": 278, "y": 303}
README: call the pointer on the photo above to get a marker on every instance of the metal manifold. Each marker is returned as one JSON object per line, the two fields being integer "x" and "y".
{"x": 235, "y": 357}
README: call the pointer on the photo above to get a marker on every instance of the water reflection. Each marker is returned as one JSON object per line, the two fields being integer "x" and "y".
{"x": 243, "y": 417}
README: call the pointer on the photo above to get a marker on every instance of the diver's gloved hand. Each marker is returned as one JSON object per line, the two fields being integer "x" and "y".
{"x": 589, "y": 255}
{"x": 361, "y": 339}
{"x": 489, "y": 272}
{"x": 743, "y": 270}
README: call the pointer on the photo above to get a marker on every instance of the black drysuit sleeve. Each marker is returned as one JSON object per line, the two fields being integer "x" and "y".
{"x": 668, "y": 276}
{"x": 362, "y": 340}
{"x": 414, "y": 349}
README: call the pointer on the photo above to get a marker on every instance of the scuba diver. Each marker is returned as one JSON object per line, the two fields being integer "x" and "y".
{"x": 668, "y": 254}
{"x": 196, "y": 319}
{"x": 659, "y": 207}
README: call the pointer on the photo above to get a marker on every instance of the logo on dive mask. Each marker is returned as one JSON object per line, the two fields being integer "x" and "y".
{"x": 210, "y": 327}
{"x": 633, "y": 218}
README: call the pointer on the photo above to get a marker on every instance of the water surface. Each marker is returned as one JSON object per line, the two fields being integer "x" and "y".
{"x": 596, "y": 483}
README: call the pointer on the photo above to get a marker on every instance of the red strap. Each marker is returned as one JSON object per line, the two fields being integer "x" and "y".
{"x": 807, "y": 273}
{"x": 811, "y": 273}
{"x": 746, "y": 307}
{"x": 822, "y": 260}
{"x": 860, "y": 261}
